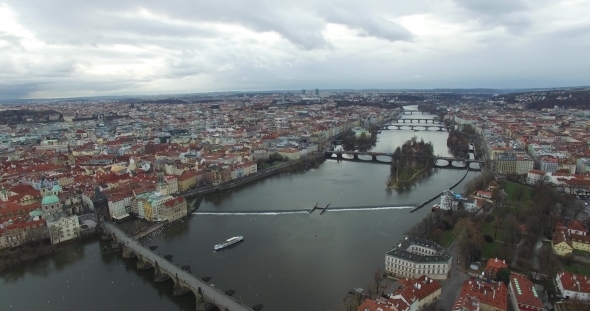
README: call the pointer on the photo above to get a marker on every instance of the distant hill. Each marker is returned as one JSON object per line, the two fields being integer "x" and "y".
{"x": 566, "y": 98}
{"x": 24, "y": 115}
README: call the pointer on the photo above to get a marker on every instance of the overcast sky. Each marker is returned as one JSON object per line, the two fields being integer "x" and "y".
{"x": 66, "y": 48}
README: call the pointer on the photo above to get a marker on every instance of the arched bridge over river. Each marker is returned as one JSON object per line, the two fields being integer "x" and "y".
{"x": 459, "y": 163}
{"x": 185, "y": 282}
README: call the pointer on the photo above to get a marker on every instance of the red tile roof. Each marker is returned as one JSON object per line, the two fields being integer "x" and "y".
{"x": 527, "y": 295}
{"x": 494, "y": 295}
{"x": 574, "y": 282}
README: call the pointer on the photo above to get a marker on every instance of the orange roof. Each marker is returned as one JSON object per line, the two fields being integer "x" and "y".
{"x": 527, "y": 294}
{"x": 576, "y": 225}
{"x": 495, "y": 263}
{"x": 494, "y": 295}
{"x": 574, "y": 282}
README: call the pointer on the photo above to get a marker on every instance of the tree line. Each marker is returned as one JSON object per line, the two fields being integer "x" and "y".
{"x": 413, "y": 156}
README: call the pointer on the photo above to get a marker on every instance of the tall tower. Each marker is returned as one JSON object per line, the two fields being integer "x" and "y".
{"x": 303, "y": 92}
{"x": 283, "y": 98}
{"x": 101, "y": 207}
{"x": 317, "y": 92}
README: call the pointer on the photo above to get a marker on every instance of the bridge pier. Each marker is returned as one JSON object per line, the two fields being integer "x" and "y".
{"x": 180, "y": 289}
{"x": 356, "y": 156}
{"x": 374, "y": 158}
{"x": 106, "y": 236}
{"x": 160, "y": 276}
{"x": 143, "y": 264}
{"x": 115, "y": 244}
{"x": 128, "y": 253}
{"x": 339, "y": 155}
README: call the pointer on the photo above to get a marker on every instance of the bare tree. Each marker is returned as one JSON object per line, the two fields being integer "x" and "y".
{"x": 377, "y": 278}
{"x": 518, "y": 192}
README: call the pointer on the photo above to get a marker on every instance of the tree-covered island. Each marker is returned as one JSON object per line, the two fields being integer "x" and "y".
{"x": 413, "y": 160}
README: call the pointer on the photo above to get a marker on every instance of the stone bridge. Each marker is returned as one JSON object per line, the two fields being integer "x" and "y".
{"x": 440, "y": 127}
{"x": 185, "y": 282}
{"x": 412, "y": 120}
{"x": 355, "y": 157}
{"x": 414, "y": 111}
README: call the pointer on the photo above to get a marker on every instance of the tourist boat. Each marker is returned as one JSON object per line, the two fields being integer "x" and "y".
{"x": 416, "y": 130}
{"x": 228, "y": 242}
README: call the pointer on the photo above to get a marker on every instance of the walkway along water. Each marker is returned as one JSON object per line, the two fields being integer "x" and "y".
{"x": 438, "y": 195}
{"x": 184, "y": 281}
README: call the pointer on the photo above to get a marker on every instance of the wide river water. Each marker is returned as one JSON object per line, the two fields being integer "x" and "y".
{"x": 288, "y": 262}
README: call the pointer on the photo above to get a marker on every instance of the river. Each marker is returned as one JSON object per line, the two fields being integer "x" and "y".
{"x": 287, "y": 261}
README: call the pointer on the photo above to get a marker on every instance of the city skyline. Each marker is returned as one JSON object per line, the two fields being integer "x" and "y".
{"x": 61, "y": 49}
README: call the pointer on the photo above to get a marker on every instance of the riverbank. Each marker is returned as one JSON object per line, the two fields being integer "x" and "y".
{"x": 411, "y": 180}
{"x": 28, "y": 252}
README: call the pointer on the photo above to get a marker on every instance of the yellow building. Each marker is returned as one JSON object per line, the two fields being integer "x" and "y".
{"x": 561, "y": 245}
{"x": 187, "y": 180}
{"x": 580, "y": 242}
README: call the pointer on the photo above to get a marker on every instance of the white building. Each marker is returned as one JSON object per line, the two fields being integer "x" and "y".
{"x": 450, "y": 201}
{"x": 573, "y": 286}
{"x": 171, "y": 184}
{"x": 413, "y": 257}
{"x": 535, "y": 176}
{"x": 583, "y": 165}
{"x": 62, "y": 228}
{"x": 549, "y": 164}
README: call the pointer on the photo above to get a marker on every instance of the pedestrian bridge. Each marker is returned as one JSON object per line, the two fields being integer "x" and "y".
{"x": 208, "y": 297}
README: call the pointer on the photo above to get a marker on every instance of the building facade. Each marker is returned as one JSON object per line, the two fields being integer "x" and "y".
{"x": 413, "y": 257}
{"x": 573, "y": 286}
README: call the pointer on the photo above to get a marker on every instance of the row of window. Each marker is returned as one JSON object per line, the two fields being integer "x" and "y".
{"x": 405, "y": 263}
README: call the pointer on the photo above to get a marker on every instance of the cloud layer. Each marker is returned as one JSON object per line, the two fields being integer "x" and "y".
{"x": 60, "y": 48}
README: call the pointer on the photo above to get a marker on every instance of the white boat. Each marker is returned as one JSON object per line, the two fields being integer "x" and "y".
{"x": 228, "y": 242}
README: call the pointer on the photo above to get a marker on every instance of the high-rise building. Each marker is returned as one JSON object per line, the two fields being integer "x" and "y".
{"x": 283, "y": 98}
{"x": 302, "y": 92}
{"x": 317, "y": 92}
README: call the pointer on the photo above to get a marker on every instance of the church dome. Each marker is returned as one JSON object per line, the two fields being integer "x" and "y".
{"x": 50, "y": 199}
{"x": 56, "y": 188}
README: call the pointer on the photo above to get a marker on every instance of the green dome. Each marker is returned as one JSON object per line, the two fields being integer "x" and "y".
{"x": 50, "y": 199}
{"x": 56, "y": 188}
{"x": 36, "y": 213}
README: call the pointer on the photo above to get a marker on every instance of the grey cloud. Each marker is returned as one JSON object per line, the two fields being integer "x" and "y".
{"x": 76, "y": 22}
{"x": 495, "y": 7}
{"x": 107, "y": 47}
{"x": 370, "y": 25}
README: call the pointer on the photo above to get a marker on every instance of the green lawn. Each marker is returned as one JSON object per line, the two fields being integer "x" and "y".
{"x": 488, "y": 228}
{"x": 406, "y": 172}
{"x": 581, "y": 253}
{"x": 490, "y": 250}
{"x": 512, "y": 190}
{"x": 578, "y": 269}
{"x": 447, "y": 238}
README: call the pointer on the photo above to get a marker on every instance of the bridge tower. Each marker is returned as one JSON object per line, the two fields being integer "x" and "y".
{"x": 101, "y": 207}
